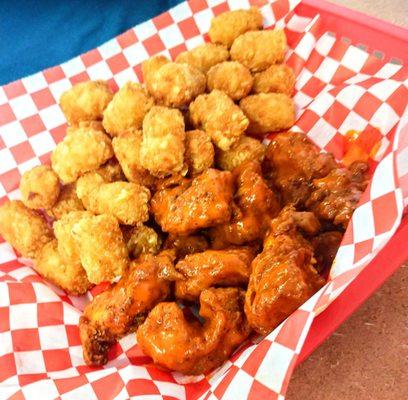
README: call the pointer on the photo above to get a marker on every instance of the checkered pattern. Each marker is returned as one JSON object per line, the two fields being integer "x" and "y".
{"x": 339, "y": 87}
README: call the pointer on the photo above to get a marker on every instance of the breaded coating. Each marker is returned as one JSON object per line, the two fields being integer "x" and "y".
{"x": 141, "y": 240}
{"x": 85, "y": 101}
{"x": 268, "y": 112}
{"x": 162, "y": 148}
{"x": 127, "y": 150}
{"x": 184, "y": 245}
{"x": 226, "y": 27}
{"x": 101, "y": 247}
{"x": 175, "y": 85}
{"x": 39, "y": 187}
{"x": 111, "y": 171}
{"x": 127, "y": 109}
{"x": 86, "y": 185}
{"x": 220, "y": 117}
{"x": 246, "y": 149}
{"x": 199, "y": 151}
{"x": 278, "y": 78}
{"x": 80, "y": 152}
{"x": 204, "y": 57}
{"x": 69, "y": 277}
{"x": 67, "y": 201}
{"x": 259, "y": 50}
{"x": 67, "y": 246}
{"x": 151, "y": 66}
{"x": 25, "y": 229}
{"x": 230, "y": 77}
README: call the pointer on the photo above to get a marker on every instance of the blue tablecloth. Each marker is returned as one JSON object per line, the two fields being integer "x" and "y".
{"x": 38, "y": 34}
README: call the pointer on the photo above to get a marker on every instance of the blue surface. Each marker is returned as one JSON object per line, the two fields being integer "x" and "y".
{"x": 36, "y": 34}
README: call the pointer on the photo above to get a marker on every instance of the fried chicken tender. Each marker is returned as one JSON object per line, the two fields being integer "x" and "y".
{"x": 25, "y": 229}
{"x": 162, "y": 148}
{"x": 258, "y": 50}
{"x": 127, "y": 150}
{"x": 111, "y": 171}
{"x": 283, "y": 276}
{"x": 151, "y": 66}
{"x": 246, "y": 149}
{"x": 83, "y": 151}
{"x": 199, "y": 151}
{"x": 85, "y": 101}
{"x": 255, "y": 205}
{"x": 67, "y": 201}
{"x": 335, "y": 196}
{"x": 230, "y": 77}
{"x": 141, "y": 240}
{"x": 189, "y": 207}
{"x": 278, "y": 78}
{"x": 204, "y": 57}
{"x": 120, "y": 309}
{"x": 39, "y": 187}
{"x": 294, "y": 161}
{"x": 226, "y": 27}
{"x": 325, "y": 247}
{"x": 175, "y": 85}
{"x": 127, "y": 109}
{"x": 220, "y": 117}
{"x": 101, "y": 247}
{"x": 71, "y": 277}
{"x": 200, "y": 271}
{"x": 184, "y": 245}
{"x": 268, "y": 112}
{"x": 187, "y": 346}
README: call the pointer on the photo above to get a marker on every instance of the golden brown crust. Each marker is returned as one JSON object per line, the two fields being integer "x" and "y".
{"x": 199, "y": 151}
{"x": 277, "y": 78}
{"x": 67, "y": 201}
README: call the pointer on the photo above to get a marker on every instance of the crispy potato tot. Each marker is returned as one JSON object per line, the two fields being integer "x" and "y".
{"x": 39, "y": 187}
{"x": 127, "y": 109}
{"x": 259, "y": 50}
{"x": 204, "y": 57}
{"x": 101, "y": 247}
{"x": 232, "y": 78}
{"x": 86, "y": 185}
{"x": 226, "y": 27}
{"x": 67, "y": 201}
{"x": 199, "y": 151}
{"x": 220, "y": 117}
{"x": 151, "y": 66}
{"x": 162, "y": 148}
{"x": 268, "y": 112}
{"x": 97, "y": 125}
{"x": 278, "y": 78}
{"x": 85, "y": 101}
{"x": 25, "y": 229}
{"x": 246, "y": 149}
{"x": 111, "y": 171}
{"x": 80, "y": 152}
{"x": 127, "y": 150}
{"x": 69, "y": 277}
{"x": 141, "y": 240}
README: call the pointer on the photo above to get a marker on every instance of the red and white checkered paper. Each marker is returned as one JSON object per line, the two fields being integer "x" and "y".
{"x": 339, "y": 87}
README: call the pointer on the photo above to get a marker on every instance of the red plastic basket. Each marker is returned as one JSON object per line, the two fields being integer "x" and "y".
{"x": 387, "y": 42}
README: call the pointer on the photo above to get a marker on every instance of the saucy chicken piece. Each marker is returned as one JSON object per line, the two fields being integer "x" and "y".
{"x": 121, "y": 308}
{"x": 230, "y": 267}
{"x": 187, "y": 208}
{"x": 294, "y": 161}
{"x": 184, "y": 245}
{"x": 283, "y": 276}
{"x": 255, "y": 205}
{"x": 325, "y": 248}
{"x": 180, "y": 344}
{"x": 335, "y": 197}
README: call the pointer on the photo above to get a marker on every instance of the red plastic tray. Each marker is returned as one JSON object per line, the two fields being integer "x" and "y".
{"x": 389, "y": 42}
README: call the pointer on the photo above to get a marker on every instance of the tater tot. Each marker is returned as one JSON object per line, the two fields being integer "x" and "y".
{"x": 268, "y": 112}
{"x": 220, "y": 117}
{"x": 259, "y": 50}
{"x": 25, "y": 229}
{"x": 102, "y": 249}
{"x": 86, "y": 185}
{"x": 151, "y": 66}
{"x": 67, "y": 246}
{"x": 127, "y": 109}
{"x": 39, "y": 187}
{"x": 232, "y": 78}
{"x": 80, "y": 152}
{"x": 127, "y": 150}
{"x": 278, "y": 78}
{"x": 69, "y": 277}
{"x": 85, "y": 101}
{"x": 97, "y": 125}
{"x": 175, "y": 85}
{"x": 226, "y": 27}
{"x": 142, "y": 239}
{"x": 67, "y": 201}
{"x": 199, "y": 151}
{"x": 246, "y": 149}
{"x": 162, "y": 148}
{"x": 111, "y": 171}
{"x": 204, "y": 57}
